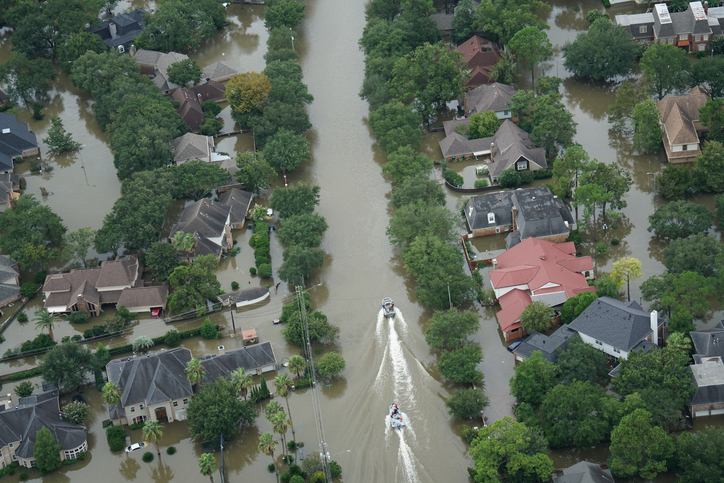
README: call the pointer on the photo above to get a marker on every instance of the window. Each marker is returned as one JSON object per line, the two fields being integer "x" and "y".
{"x": 522, "y": 166}
{"x": 140, "y": 407}
{"x": 685, "y": 147}
{"x": 133, "y": 409}
{"x": 701, "y": 47}
{"x": 497, "y": 229}
{"x": 175, "y": 404}
{"x": 11, "y": 445}
{"x": 33, "y": 464}
{"x": 683, "y": 36}
{"x": 616, "y": 351}
{"x": 185, "y": 401}
{"x": 599, "y": 342}
{"x": 491, "y": 218}
{"x": 507, "y": 113}
{"x": 697, "y": 38}
{"x": 643, "y": 29}
{"x": 15, "y": 458}
{"x": 705, "y": 37}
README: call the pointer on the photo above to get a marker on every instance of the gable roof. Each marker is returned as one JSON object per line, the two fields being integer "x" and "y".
{"x": 708, "y": 376}
{"x": 499, "y": 204}
{"x": 709, "y": 343}
{"x": 548, "y": 345}
{"x": 128, "y": 27}
{"x": 540, "y": 213}
{"x": 120, "y": 272}
{"x": 249, "y": 357}
{"x": 512, "y": 303}
{"x": 192, "y": 146}
{"x": 189, "y": 108}
{"x": 209, "y": 91}
{"x": 621, "y": 325}
{"x": 159, "y": 62}
{"x": 15, "y": 137}
{"x": 479, "y": 52}
{"x": 139, "y": 297}
{"x": 239, "y": 201}
{"x": 493, "y": 97}
{"x": 679, "y": 113}
{"x": 584, "y": 472}
{"x": 218, "y": 71}
{"x": 22, "y": 422}
{"x": 151, "y": 379}
{"x": 204, "y": 218}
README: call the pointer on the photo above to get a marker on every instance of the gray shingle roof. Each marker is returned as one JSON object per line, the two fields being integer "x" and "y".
{"x": 249, "y": 357}
{"x": 192, "y": 146}
{"x": 709, "y": 343}
{"x": 584, "y": 472}
{"x": 239, "y": 202}
{"x": 548, "y": 345}
{"x": 218, "y": 70}
{"x": 204, "y": 217}
{"x": 15, "y": 137}
{"x": 621, "y": 325}
{"x": 708, "y": 377}
{"x": 540, "y": 213}
{"x": 493, "y": 97}
{"x": 498, "y": 203}
{"x": 512, "y": 143}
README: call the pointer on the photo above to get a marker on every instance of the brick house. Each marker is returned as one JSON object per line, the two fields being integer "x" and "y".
{"x": 492, "y": 97}
{"x": 9, "y": 190}
{"x": 480, "y": 55}
{"x": 121, "y": 30}
{"x": 681, "y": 126}
{"x": 239, "y": 202}
{"x": 9, "y": 281}
{"x": 210, "y": 223}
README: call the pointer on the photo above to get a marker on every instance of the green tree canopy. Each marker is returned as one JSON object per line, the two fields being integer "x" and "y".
{"x": 216, "y": 409}
{"x": 463, "y": 22}
{"x": 418, "y": 187}
{"x": 288, "y": 91}
{"x": 320, "y": 330}
{"x": 646, "y": 121}
{"x": 666, "y": 67}
{"x": 278, "y": 115}
{"x": 46, "y": 450}
{"x": 547, "y": 120}
{"x": 467, "y": 403}
{"x": 95, "y": 72}
{"x": 396, "y": 125}
{"x": 680, "y": 297}
{"x": 194, "y": 284}
{"x": 26, "y": 79}
{"x": 449, "y": 329}
{"x": 181, "y": 25}
{"x": 254, "y": 173}
{"x": 66, "y": 365}
{"x": 709, "y": 167}
{"x": 628, "y": 95}
{"x": 712, "y": 115}
{"x": 695, "y": 254}
{"x": 566, "y": 170}
{"x": 285, "y": 150}
{"x": 295, "y": 200}
{"x": 284, "y": 14}
{"x": 197, "y": 179}
{"x": 460, "y": 365}
{"x": 303, "y": 230}
{"x": 162, "y": 258}
{"x": 532, "y": 44}
{"x": 676, "y": 182}
{"x": 505, "y": 18}
{"x": 574, "y": 306}
{"x": 537, "y": 316}
{"x": 701, "y": 455}
{"x": 533, "y": 378}
{"x": 680, "y": 219}
{"x": 299, "y": 263}
{"x": 329, "y": 365}
{"x": 420, "y": 219}
{"x": 77, "y": 243}
{"x": 184, "y": 72}
{"x": 483, "y": 125}
{"x": 405, "y": 162}
{"x": 706, "y": 73}
{"x": 248, "y": 91}
{"x": 638, "y": 448}
{"x": 79, "y": 43}
{"x": 581, "y": 361}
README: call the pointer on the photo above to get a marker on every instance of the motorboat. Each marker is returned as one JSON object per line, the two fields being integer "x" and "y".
{"x": 396, "y": 420}
{"x": 388, "y": 306}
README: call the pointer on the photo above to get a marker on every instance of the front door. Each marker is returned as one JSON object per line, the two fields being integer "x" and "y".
{"x": 161, "y": 415}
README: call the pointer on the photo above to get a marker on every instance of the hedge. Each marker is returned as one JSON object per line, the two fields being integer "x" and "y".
{"x": 136, "y": 425}
{"x": 25, "y": 374}
{"x": 186, "y": 334}
{"x": 116, "y": 437}
{"x": 9, "y": 469}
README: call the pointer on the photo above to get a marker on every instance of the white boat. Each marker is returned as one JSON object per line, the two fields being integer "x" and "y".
{"x": 396, "y": 420}
{"x": 388, "y": 306}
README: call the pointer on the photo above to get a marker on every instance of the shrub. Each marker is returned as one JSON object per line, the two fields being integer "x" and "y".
{"x": 23, "y": 476}
{"x": 509, "y": 178}
{"x": 335, "y": 469}
{"x": 615, "y": 241}
{"x": 96, "y": 331}
{"x": 543, "y": 173}
{"x": 601, "y": 248}
{"x": 234, "y": 285}
{"x": 260, "y": 260}
{"x": 25, "y": 374}
{"x": 209, "y": 330}
{"x": 172, "y": 338}
{"x": 261, "y": 252}
{"x": 271, "y": 467}
{"x": 40, "y": 276}
{"x": 453, "y": 178}
{"x": 106, "y": 423}
{"x": 318, "y": 477}
{"x": 171, "y": 450}
{"x": 265, "y": 270}
{"x": 481, "y": 183}
{"x": 526, "y": 176}
{"x": 136, "y": 425}
{"x": 27, "y": 289}
{"x": 76, "y": 412}
{"x": 40, "y": 342}
{"x": 78, "y": 318}
{"x": 292, "y": 445}
{"x": 116, "y": 437}
{"x": 24, "y": 389}
{"x": 22, "y": 317}
{"x": 76, "y": 338}
{"x": 147, "y": 457}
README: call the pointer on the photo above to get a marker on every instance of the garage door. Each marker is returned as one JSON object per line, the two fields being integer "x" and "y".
{"x": 714, "y": 412}
{"x": 270, "y": 367}
{"x": 701, "y": 413}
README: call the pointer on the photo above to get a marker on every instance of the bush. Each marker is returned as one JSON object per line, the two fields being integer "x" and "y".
{"x": 261, "y": 260}
{"x": 96, "y": 331}
{"x": 28, "y": 289}
{"x": 40, "y": 342}
{"x": 24, "y": 389}
{"x": 453, "y": 178}
{"x": 335, "y": 469}
{"x": 40, "y": 276}
{"x": 481, "y": 183}
{"x": 261, "y": 252}
{"x": 116, "y": 437}
{"x": 234, "y": 285}
{"x": 209, "y": 330}
{"x": 543, "y": 173}
{"x": 526, "y": 176}
{"x": 172, "y": 338}
{"x": 25, "y": 374}
{"x": 106, "y": 423}
{"x": 271, "y": 467}
{"x": 509, "y": 178}
{"x": 318, "y": 477}
{"x": 147, "y": 457}
{"x": 23, "y": 476}
{"x": 615, "y": 241}
{"x": 265, "y": 270}
{"x": 171, "y": 450}
{"x": 78, "y": 318}
{"x": 136, "y": 425}
{"x": 22, "y": 317}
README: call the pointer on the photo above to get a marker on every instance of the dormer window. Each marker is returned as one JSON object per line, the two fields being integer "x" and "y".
{"x": 643, "y": 29}
{"x": 491, "y": 218}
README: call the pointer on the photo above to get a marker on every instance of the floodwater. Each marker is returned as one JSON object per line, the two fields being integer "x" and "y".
{"x": 387, "y": 360}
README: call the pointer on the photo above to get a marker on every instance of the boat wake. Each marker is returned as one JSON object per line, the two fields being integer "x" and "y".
{"x": 407, "y": 462}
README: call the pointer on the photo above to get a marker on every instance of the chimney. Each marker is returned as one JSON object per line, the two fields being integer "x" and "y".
{"x": 655, "y": 327}
{"x": 113, "y": 30}
{"x": 222, "y": 350}
{"x": 132, "y": 50}
{"x": 515, "y": 214}
{"x": 9, "y": 402}
{"x": 495, "y": 263}
{"x": 492, "y": 148}
{"x": 706, "y": 8}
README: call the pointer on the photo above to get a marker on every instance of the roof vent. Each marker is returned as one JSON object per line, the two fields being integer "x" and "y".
{"x": 6, "y": 130}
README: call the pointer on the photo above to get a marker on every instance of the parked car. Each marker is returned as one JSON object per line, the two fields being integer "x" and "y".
{"x": 134, "y": 447}
{"x": 79, "y": 398}
{"x": 514, "y": 345}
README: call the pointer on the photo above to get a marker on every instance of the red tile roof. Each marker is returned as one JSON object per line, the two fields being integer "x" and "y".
{"x": 479, "y": 52}
{"x": 513, "y": 304}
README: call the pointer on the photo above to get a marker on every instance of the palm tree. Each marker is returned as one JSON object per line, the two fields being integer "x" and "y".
{"x": 207, "y": 463}
{"x": 282, "y": 383}
{"x": 184, "y": 242}
{"x": 242, "y": 381}
{"x": 195, "y": 372}
{"x": 267, "y": 444}
{"x": 112, "y": 394}
{"x": 45, "y": 320}
{"x": 280, "y": 425}
{"x": 152, "y": 431}
{"x": 271, "y": 409}
{"x": 297, "y": 364}
{"x": 142, "y": 344}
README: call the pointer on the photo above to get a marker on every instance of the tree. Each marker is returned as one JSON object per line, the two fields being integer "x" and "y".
{"x": 26, "y": 79}
{"x": 46, "y": 451}
{"x": 285, "y": 150}
{"x": 142, "y": 344}
{"x": 603, "y": 52}
{"x": 466, "y": 403}
{"x": 419, "y": 219}
{"x": 460, "y": 365}
{"x": 532, "y": 44}
{"x": 512, "y": 450}
{"x": 705, "y": 73}
{"x": 566, "y": 170}
{"x": 320, "y": 330}
{"x": 680, "y": 296}
{"x": 242, "y": 381}
{"x": 697, "y": 253}
{"x": 666, "y": 67}
{"x": 396, "y": 125}
{"x": 505, "y": 18}
{"x": 628, "y": 95}
{"x": 533, "y": 378}
{"x": 207, "y": 465}
{"x": 289, "y": 91}
{"x": 504, "y": 70}
{"x": 281, "y": 385}
{"x": 295, "y": 200}
{"x": 76, "y": 412}
{"x": 606, "y": 286}
{"x": 418, "y": 187}
{"x": 537, "y": 316}
{"x": 304, "y": 230}
{"x": 708, "y": 167}
{"x": 79, "y": 43}
{"x": 463, "y": 21}
{"x": 574, "y": 306}
{"x": 450, "y": 329}
{"x": 248, "y": 91}
{"x": 297, "y": 364}
{"x": 195, "y": 372}
{"x": 216, "y": 409}
{"x": 66, "y": 365}
{"x": 580, "y": 361}
{"x": 646, "y": 121}
{"x": 575, "y": 415}
{"x": 284, "y": 14}
{"x": 299, "y": 263}
{"x": 330, "y": 365}
{"x": 45, "y": 320}
{"x": 95, "y": 72}
{"x": 280, "y": 39}
{"x": 405, "y": 162}
{"x": 712, "y": 115}
{"x": 181, "y": 26}
{"x": 680, "y": 219}
{"x": 153, "y": 431}
{"x": 483, "y": 125}
{"x": 278, "y": 115}
{"x": 602, "y": 186}
{"x": 254, "y": 173}
{"x": 194, "y": 284}
{"x": 431, "y": 75}
{"x": 77, "y": 244}
{"x": 547, "y": 120}
{"x": 676, "y": 182}
{"x": 197, "y": 179}
{"x": 58, "y": 140}
{"x": 267, "y": 444}
{"x": 638, "y": 447}
{"x": 624, "y": 270}
{"x": 112, "y": 394}
{"x": 184, "y": 72}
{"x": 699, "y": 455}
{"x": 280, "y": 425}
{"x": 162, "y": 259}
{"x": 24, "y": 389}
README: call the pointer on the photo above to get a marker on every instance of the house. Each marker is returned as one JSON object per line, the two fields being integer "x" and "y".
{"x": 709, "y": 343}
{"x": 210, "y": 223}
{"x": 691, "y": 29}
{"x": 617, "y": 328}
{"x": 9, "y": 190}
{"x": 121, "y": 30}
{"x": 548, "y": 345}
{"x": 255, "y": 359}
{"x": 155, "y": 65}
{"x": 16, "y": 140}
{"x": 189, "y": 108}
{"x": 480, "y": 55}
{"x": 144, "y": 299}
{"x": 492, "y": 97}
{"x": 536, "y": 270}
{"x": 191, "y": 147}
{"x": 219, "y": 72}
{"x": 528, "y": 212}
{"x": 210, "y": 91}
{"x": 583, "y": 472}
{"x": 20, "y": 424}
{"x": 239, "y": 201}
{"x": 509, "y": 147}
{"x": 241, "y": 298}
{"x": 681, "y": 126}
{"x": 88, "y": 289}
{"x": 708, "y": 377}
{"x": 9, "y": 281}
{"x": 154, "y": 387}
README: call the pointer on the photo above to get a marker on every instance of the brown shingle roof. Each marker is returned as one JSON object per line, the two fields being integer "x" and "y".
{"x": 679, "y": 113}
{"x": 133, "y": 298}
{"x": 189, "y": 108}
{"x": 119, "y": 273}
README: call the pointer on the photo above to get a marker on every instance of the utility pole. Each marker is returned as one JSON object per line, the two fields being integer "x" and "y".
{"x": 223, "y": 466}
{"x": 233, "y": 324}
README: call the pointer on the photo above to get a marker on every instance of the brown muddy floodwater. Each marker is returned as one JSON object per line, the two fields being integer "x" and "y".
{"x": 386, "y": 360}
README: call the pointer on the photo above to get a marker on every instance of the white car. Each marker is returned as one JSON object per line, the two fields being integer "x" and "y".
{"x": 134, "y": 447}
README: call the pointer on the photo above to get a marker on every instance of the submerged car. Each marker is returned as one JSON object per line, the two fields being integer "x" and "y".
{"x": 134, "y": 447}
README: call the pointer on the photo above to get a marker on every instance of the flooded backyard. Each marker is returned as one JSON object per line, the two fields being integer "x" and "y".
{"x": 387, "y": 361}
